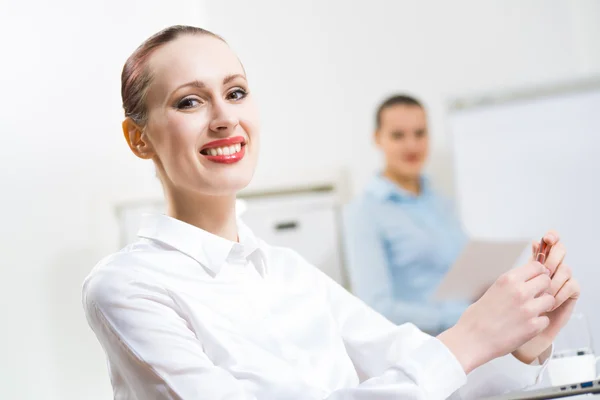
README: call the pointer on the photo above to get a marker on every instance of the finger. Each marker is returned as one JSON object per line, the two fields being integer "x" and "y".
{"x": 561, "y": 276}
{"x": 541, "y": 304}
{"x": 551, "y": 237}
{"x": 538, "y": 285}
{"x": 527, "y": 271}
{"x": 535, "y": 248}
{"x": 538, "y": 324}
{"x": 570, "y": 290}
{"x": 556, "y": 257}
{"x": 541, "y": 250}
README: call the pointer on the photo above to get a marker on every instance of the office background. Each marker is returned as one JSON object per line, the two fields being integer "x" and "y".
{"x": 318, "y": 68}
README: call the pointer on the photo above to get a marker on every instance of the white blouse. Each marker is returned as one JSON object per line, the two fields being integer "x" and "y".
{"x": 184, "y": 314}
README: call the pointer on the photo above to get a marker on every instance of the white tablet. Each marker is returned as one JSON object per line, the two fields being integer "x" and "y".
{"x": 479, "y": 265}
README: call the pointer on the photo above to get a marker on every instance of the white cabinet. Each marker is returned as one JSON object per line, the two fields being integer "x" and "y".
{"x": 307, "y": 223}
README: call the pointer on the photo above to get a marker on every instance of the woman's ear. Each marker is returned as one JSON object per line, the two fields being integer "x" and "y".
{"x": 138, "y": 142}
{"x": 377, "y": 137}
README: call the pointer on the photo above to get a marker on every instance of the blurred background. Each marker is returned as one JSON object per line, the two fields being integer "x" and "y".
{"x": 71, "y": 189}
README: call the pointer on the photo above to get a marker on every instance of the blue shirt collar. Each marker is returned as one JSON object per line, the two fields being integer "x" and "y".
{"x": 384, "y": 189}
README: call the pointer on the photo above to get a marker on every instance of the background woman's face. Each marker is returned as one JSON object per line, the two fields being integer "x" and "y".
{"x": 404, "y": 140}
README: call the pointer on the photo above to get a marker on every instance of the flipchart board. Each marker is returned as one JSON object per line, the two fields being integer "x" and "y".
{"x": 529, "y": 161}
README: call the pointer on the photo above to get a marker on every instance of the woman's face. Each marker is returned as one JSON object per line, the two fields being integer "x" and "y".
{"x": 403, "y": 138}
{"x": 203, "y": 125}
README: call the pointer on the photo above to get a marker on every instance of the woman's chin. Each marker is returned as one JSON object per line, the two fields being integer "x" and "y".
{"x": 229, "y": 184}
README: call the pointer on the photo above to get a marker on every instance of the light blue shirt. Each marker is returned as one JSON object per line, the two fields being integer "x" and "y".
{"x": 399, "y": 246}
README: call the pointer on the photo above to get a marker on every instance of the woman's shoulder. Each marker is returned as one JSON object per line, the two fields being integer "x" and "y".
{"x": 120, "y": 274}
{"x": 286, "y": 261}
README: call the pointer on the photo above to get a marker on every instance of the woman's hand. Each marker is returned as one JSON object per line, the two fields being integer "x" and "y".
{"x": 508, "y": 315}
{"x": 565, "y": 290}
{"x": 521, "y": 313}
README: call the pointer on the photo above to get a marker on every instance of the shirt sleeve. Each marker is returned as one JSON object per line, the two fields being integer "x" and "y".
{"x": 402, "y": 362}
{"x": 155, "y": 352}
{"x": 504, "y": 374}
{"x": 370, "y": 280}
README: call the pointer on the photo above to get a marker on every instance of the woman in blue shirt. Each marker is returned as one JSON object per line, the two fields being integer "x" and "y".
{"x": 401, "y": 236}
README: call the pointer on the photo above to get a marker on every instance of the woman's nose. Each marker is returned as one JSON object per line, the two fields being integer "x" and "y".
{"x": 224, "y": 120}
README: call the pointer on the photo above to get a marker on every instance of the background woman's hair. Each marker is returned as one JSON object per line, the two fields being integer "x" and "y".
{"x": 396, "y": 100}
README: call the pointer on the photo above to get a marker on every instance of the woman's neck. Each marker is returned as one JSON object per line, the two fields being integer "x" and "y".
{"x": 213, "y": 214}
{"x": 411, "y": 184}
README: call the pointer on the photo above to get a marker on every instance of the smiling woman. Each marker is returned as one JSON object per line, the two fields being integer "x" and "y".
{"x": 172, "y": 110}
{"x": 200, "y": 308}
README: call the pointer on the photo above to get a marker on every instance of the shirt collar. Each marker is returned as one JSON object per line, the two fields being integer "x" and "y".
{"x": 384, "y": 189}
{"x": 254, "y": 248}
{"x": 210, "y": 250}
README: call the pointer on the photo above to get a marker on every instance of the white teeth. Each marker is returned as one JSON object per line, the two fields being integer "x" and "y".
{"x": 224, "y": 151}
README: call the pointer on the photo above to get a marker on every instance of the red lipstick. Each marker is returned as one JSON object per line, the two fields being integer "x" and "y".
{"x": 411, "y": 158}
{"x": 209, "y": 150}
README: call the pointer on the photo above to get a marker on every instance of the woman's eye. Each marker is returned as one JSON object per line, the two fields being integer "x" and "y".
{"x": 187, "y": 103}
{"x": 237, "y": 94}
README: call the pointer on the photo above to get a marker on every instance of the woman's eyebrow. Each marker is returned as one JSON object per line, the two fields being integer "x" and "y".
{"x": 201, "y": 85}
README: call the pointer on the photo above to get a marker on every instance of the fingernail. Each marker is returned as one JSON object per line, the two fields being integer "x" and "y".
{"x": 546, "y": 270}
{"x": 551, "y": 237}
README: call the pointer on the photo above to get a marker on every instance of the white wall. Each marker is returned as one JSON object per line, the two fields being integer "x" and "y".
{"x": 321, "y": 67}
{"x": 318, "y": 67}
{"x": 62, "y": 163}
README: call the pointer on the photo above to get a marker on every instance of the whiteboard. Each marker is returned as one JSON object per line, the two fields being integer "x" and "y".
{"x": 532, "y": 163}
